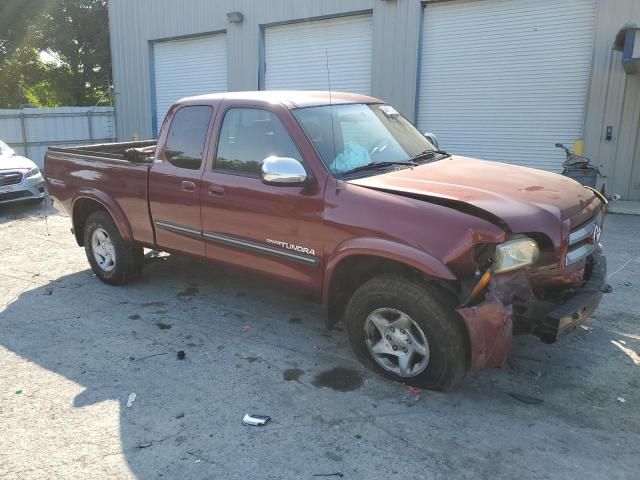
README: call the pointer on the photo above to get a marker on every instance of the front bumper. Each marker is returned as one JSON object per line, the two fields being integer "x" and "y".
{"x": 564, "y": 318}
{"x": 29, "y": 189}
{"x": 510, "y": 302}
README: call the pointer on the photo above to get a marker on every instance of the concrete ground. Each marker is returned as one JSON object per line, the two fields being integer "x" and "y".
{"x": 72, "y": 350}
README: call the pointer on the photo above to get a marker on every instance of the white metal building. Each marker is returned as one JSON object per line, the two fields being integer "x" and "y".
{"x": 497, "y": 79}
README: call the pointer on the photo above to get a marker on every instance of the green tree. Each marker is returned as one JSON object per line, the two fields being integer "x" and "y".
{"x": 77, "y": 33}
{"x": 74, "y": 32}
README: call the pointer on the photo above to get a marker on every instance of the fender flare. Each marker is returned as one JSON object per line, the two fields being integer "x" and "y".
{"x": 387, "y": 249}
{"x": 110, "y": 205}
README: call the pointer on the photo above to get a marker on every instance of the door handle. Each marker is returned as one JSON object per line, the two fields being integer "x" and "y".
{"x": 216, "y": 190}
{"x": 188, "y": 186}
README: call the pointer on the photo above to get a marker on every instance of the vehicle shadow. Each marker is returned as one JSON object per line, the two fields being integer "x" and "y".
{"x": 250, "y": 347}
{"x": 14, "y": 211}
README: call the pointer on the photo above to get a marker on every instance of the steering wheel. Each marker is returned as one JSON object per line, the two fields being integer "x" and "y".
{"x": 378, "y": 146}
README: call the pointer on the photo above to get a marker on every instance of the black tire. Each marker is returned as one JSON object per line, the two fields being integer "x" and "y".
{"x": 434, "y": 311}
{"x": 129, "y": 258}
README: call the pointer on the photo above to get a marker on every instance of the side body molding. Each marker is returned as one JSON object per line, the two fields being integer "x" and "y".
{"x": 383, "y": 248}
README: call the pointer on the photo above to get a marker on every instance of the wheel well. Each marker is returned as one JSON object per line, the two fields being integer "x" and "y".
{"x": 81, "y": 211}
{"x": 355, "y": 270}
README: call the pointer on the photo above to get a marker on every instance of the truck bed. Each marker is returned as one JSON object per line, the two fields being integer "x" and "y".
{"x": 112, "y": 174}
{"x": 135, "y": 152}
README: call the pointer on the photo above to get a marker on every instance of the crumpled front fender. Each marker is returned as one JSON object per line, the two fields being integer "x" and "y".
{"x": 490, "y": 328}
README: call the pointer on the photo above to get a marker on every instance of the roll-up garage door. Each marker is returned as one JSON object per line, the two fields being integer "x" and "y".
{"x": 506, "y": 79}
{"x": 294, "y": 55}
{"x": 193, "y": 66}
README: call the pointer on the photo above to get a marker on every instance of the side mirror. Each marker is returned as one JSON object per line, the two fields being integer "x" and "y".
{"x": 283, "y": 171}
{"x": 432, "y": 138}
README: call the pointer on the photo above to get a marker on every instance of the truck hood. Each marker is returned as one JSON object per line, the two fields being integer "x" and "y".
{"x": 521, "y": 199}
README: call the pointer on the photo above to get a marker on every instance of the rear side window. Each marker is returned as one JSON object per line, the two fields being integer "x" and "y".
{"x": 247, "y": 137}
{"x": 185, "y": 141}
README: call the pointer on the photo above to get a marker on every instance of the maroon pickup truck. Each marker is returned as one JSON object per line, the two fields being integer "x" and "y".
{"x": 432, "y": 261}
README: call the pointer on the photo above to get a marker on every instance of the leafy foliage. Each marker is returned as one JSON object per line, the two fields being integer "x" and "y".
{"x": 72, "y": 32}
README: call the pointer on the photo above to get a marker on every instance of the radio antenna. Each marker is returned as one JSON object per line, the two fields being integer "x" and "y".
{"x": 333, "y": 133}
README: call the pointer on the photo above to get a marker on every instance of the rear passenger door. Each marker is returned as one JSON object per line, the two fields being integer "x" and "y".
{"x": 175, "y": 179}
{"x": 270, "y": 229}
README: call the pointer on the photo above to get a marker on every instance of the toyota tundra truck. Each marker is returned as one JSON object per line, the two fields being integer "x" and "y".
{"x": 432, "y": 261}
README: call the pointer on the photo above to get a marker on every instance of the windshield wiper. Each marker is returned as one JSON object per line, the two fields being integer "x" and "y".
{"x": 429, "y": 154}
{"x": 376, "y": 165}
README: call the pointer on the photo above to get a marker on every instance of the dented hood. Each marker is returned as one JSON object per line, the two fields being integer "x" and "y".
{"x": 525, "y": 199}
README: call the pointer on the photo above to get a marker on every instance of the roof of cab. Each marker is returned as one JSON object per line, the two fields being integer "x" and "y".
{"x": 290, "y": 99}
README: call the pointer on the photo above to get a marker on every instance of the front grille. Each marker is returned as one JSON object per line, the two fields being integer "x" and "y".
{"x": 10, "y": 178}
{"x": 14, "y": 195}
{"x": 584, "y": 240}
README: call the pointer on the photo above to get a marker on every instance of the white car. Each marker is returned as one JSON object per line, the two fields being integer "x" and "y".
{"x": 20, "y": 178}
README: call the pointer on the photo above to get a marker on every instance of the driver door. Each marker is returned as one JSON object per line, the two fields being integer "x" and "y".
{"x": 274, "y": 230}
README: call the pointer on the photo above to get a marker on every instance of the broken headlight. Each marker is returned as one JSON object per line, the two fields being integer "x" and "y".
{"x": 515, "y": 254}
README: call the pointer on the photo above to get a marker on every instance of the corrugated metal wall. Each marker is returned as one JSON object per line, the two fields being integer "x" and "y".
{"x": 613, "y": 97}
{"x": 32, "y": 130}
{"x": 134, "y": 25}
{"x": 614, "y": 100}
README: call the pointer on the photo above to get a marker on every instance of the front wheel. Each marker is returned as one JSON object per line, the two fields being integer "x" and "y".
{"x": 408, "y": 332}
{"x": 111, "y": 259}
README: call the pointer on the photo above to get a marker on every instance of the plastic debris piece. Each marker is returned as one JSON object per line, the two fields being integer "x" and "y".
{"x": 18, "y": 392}
{"x": 255, "y": 420}
{"x": 48, "y": 291}
{"x": 414, "y": 390}
{"x": 181, "y": 354}
{"x": 246, "y": 328}
{"x": 131, "y": 399}
{"x": 145, "y": 445}
{"x": 198, "y": 461}
{"x": 621, "y": 399}
{"x": 526, "y": 399}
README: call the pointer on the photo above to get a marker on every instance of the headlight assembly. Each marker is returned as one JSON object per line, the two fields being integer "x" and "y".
{"x": 515, "y": 254}
{"x": 32, "y": 172}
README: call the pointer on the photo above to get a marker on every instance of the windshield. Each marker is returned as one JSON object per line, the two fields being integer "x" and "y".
{"x": 5, "y": 150}
{"x": 362, "y": 134}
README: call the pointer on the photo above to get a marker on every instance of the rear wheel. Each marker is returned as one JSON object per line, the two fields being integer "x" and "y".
{"x": 408, "y": 332}
{"x": 111, "y": 259}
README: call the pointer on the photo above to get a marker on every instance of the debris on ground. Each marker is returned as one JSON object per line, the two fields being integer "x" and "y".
{"x": 197, "y": 461}
{"x": 18, "y": 392}
{"x": 621, "y": 399}
{"x": 292, "y": 374}
{"x": 47, "y": 291}
{"x": 181, "y": 355}
{"x": 145, "y": 445}
{"x": 180, "y": 415}
{"x": 255, "y": 420}
{"x": 246, "y": 328}
{"x": 526, "y": 399}
{"x": 163, "y": 326}
{"x": 336, "y": 474}
{"x": 415, "y": 390}
{"x": 149, "y": 356}
{"x": 131, "y": 399}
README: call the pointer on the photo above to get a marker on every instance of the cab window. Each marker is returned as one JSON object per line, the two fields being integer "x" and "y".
{"x": 247, "y": 137}
{"x": 184, "y": 147}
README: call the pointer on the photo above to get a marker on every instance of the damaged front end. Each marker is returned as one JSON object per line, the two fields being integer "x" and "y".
{"x": 544, "y": 301}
